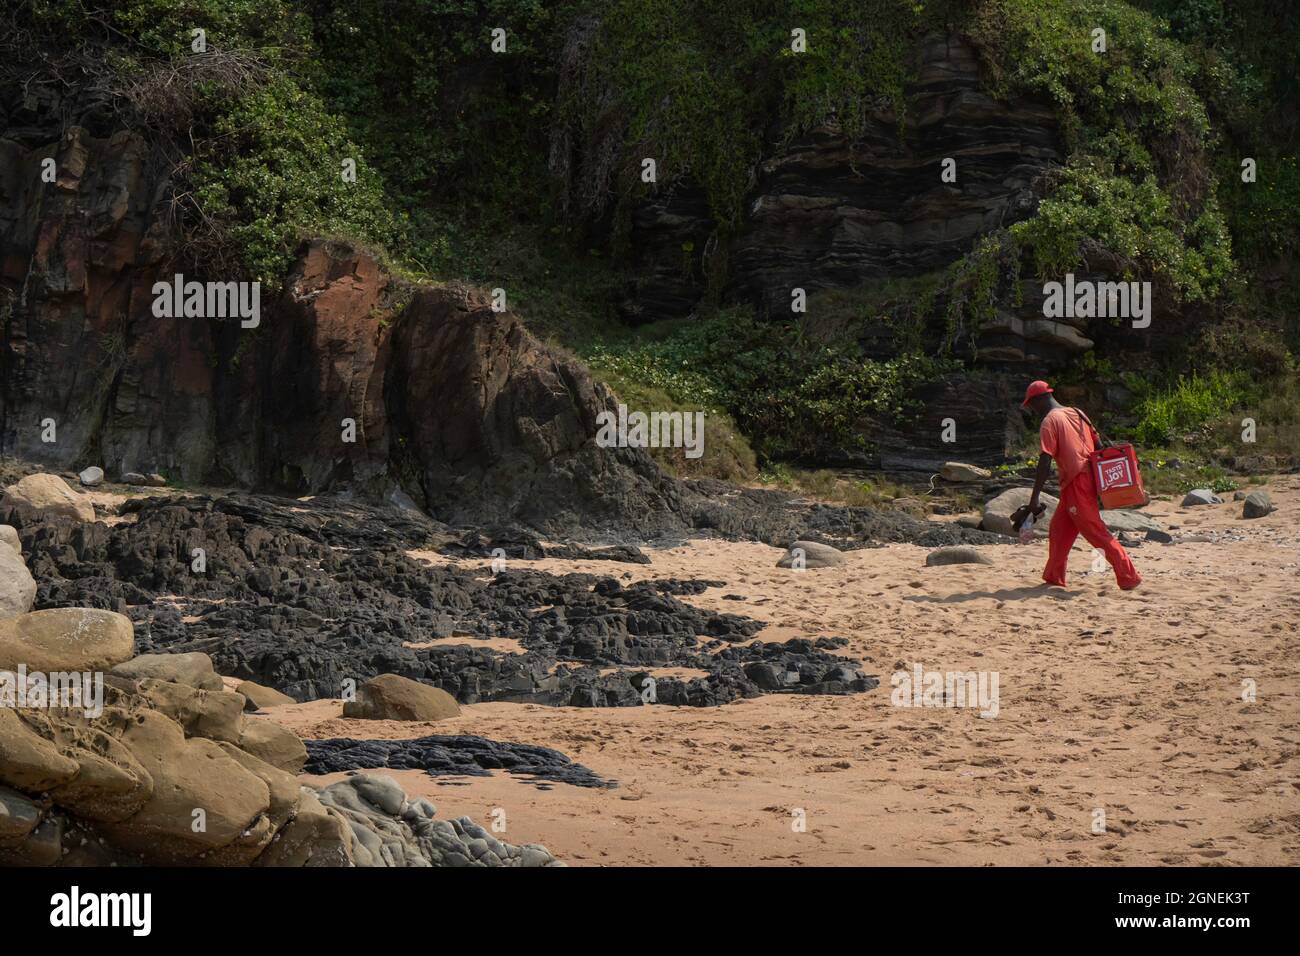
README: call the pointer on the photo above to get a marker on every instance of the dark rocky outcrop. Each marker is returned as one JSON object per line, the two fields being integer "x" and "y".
{"x": 303, "y": 596}
{"x": 826, "y": 212}
{"x": 453, "y": 401}
{"x": 450, "y": 399}
{"x": 442, "y": 755}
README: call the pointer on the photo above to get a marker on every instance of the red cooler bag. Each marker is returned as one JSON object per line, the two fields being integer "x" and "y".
{"x": 1119, "y": 483}
{"x": 1115, "y": 466}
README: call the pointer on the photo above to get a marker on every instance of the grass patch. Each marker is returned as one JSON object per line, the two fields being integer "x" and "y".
{"x": 827, "y": 486}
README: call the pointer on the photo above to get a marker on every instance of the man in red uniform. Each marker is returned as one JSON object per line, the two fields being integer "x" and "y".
{"x": 1067, "y": 437}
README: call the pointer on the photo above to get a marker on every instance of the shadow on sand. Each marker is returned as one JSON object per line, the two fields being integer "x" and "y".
{"x": 1005, "y": 594}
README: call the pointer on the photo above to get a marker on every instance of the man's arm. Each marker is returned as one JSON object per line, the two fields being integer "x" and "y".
{"x": 1040, "y": 478}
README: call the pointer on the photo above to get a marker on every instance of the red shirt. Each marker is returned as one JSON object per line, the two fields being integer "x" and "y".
{"x": 1067, "y": 438}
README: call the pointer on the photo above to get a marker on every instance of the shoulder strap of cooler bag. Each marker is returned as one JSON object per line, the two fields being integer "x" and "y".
{"x": 1098, "y": 439}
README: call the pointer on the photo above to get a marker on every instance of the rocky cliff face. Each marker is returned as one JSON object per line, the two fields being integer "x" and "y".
{"x": 350, "y": 380}
{"x": 78, "y": 258}
{"x": 829, "y": 213}
{"x": 453, "y": 402}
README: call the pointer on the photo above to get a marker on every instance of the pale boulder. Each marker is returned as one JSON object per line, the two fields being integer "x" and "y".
{"x": 193, "y": 668}
{"x": 17, "y": 586}
{"x": 66, "y": 639}
{"x": 276, "y": 745}
{"x": 194, "y": 780}
{"x": 803, "y": 555}
{"x": 259, "y": 697}
{"x": 50, "y": 494}
{"x": 391, "y": 697}
{"x": 997, "y": 513}
{"x": 960, "y": 471}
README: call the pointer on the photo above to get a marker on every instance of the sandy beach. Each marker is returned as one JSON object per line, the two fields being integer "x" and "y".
{"x": 1126, "y": 710}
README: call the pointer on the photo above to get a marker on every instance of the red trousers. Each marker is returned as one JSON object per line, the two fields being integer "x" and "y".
{"x": 1077, "y": 513}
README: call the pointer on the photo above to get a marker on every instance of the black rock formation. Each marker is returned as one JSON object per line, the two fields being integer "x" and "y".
{"x": 305, "y": 595}
{"x": 442, "y": 756}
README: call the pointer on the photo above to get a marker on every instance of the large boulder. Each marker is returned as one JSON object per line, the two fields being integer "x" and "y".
{"x": 956, "y": 554}
{"x": 1200, "y": 496}
{"x": 809, "y": 554}
{"x": 92, "y": 476}
{"x": 1257, "y": 505}
{"x": 193, "y": 668}
{"x": 997, "y": 512}
{"x": 29, "y": 762}
{"x": 316, "y": 836}
{"x": 49, "y": 494}
{"x": 215, "y": 715}
{"x": 260, "y": 698}
{"x": 9, "y": 536}
{"x": 281, "y": 785}
{"x": 78, "y": 763}
{"x": 960, "y": 471}
{"x": 276, "y": 745}
{"x": 17, "y": 586}
{"x": 204, "y": 806}
{"x": 66, "y": 639}
{"x": 391, "y": 697}
{"x": 1123, "y": 520}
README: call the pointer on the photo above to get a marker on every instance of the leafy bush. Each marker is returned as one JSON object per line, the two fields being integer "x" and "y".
{"x": 1265, "y": 214}
{"x": 445, "y": 119}
{"x": 1138, "y": 183}
{"x": 1168, "y": 413}
{"x": 1134, "y": 221}
{"x": 274, "y": 175}
{"x": 1160, "y": 478}
{"x": 793, "y": 398}
{"x": 694, "y": 84}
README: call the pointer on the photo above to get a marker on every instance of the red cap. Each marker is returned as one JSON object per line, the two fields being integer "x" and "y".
{"x": 1034, "y": 390}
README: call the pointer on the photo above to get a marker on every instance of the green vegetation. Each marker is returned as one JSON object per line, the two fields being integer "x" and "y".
{"x": 828, "y": 486}
{"x": 698, "y": 82}
{"x": 1165, "y": 474}
{"x": 792, "y": 396}
{"x": 1177, "y": 411}
{"x": 1138, "y": 182}
{"x": 1133, "y": 221}
{"x": 274, "y": 183}
{"x": 521, "y": 168}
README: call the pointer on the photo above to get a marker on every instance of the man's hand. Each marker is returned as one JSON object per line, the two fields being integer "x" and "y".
{"x": 1020, "y": 514}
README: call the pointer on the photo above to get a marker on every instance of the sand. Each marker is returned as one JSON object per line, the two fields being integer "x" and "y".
{"x": 1123, "y": 704}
